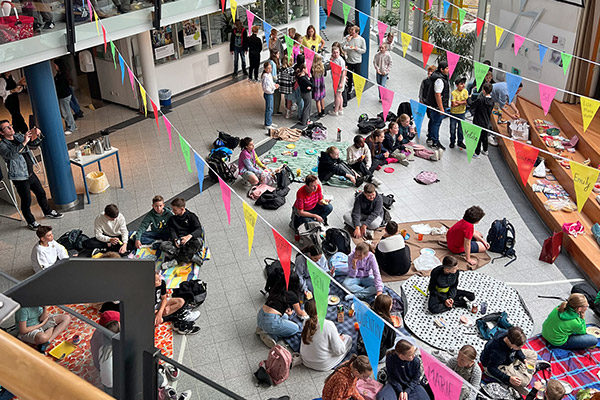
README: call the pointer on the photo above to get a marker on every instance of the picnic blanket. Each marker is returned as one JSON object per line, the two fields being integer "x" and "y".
{"x": 581, "y": 368}
{"x": 435, "y": 242}
{"x": 497, "y": 294}
{"x": 346, "y": 327}
{"x": 175, "y": 275}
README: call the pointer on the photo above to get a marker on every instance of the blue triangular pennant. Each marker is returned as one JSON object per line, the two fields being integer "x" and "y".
{"x": 362, "y": 21}
{"x": 371, "y": 329}
{"x": 200, "y": 168}
{"x": 446, "y": 6}
{"x": 543, "y": 50}
{"x": 122, "y": 66}
{"x": 418, "y": 111}
{"x": 512, "y": 82}
{"x": 267, "y": 29}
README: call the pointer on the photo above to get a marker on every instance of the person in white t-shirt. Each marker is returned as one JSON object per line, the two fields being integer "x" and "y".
{"x": 46, "y": 251}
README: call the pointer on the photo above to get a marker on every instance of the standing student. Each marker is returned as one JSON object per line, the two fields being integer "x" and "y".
{"x": 318, "y": 77}
{"x": 254, "y": 50}
{"x": 63, "y": 83}
{"x": 286, "y": 84}
{"x": 354, "y": 46}
{"x": 156, "y": 219}
{"x": 306, "y": 87}
{"x": 274, "y": 60}
{"x": 274, "y": 43}
{"x": 312, "y": 40}
{"x": 437, "y": 99}
{"x": 425, "y": 85}
{"x": 238, "y": 46}
{"x": 458, "y": 109}
{"x": 336, "y": 57}
{"x": 404, "y": 374}
{"x": 481, "y": 108}
{"x": 9, "y": 91}
{"x": 46, "y": 251}
{"x": 500, "y": 95}
{"x": 463, "y": 238}
{"x": 382, "y": 63}
{"x": 269, "y": 87}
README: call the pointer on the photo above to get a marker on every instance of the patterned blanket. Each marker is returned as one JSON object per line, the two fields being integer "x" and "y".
{"x": 177, "y": 274}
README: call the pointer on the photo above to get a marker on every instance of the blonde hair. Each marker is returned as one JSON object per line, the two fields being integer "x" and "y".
{"x": 431, "y": 68}
{"x": 469, "y": 352}
{"x": 331, "y": 149}
{"x": 403, "y": 117}
{"x": 575, "y": 300}
{"x": 318, "y": 69}
{"x": 362, "y": 248}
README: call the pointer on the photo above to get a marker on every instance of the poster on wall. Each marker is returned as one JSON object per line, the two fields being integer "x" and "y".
{"x": 191, "y": 33}
{"x": 162, "y": 42}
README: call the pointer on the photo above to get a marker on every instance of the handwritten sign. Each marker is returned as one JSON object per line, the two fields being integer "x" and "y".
{"x": 371, "y": 329}
{"x": 480, "y": 71}
{"x": 445, "y": 383}
{"x": 320, "y": 283}
{"x": 387, "y": 97}
{"x": 546, "y": 96}
{"x": 284, "y": 253}
{"x": 526, "y": 156}
{"x": 250, "y": 217}
{"x": 589, "y": 107}
{"x": 418, "y": 112}
{"x": 584, "y": 179}
{"x": 471, "y": 134}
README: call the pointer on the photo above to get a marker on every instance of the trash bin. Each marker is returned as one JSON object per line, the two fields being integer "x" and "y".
{"x": 164, "y": 97}
{"x": 96, "y": 182}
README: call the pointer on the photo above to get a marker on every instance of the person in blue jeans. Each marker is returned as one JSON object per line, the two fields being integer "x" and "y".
{"x": 364, "y": 279}
{"x": 238, "y": 46}
{"x": 273, "y": 319}
{"x": 437, "y": 99}
{"x": 458, "y": 109}
{"x": 268, "y": 86}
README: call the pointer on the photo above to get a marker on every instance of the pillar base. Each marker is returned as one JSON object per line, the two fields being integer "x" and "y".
{"x": 67, "y": 207}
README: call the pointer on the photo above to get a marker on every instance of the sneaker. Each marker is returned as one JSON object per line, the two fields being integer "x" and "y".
{"x": 341, "y": 112}
{"x": 294, "y": 107}
{"x": 34, "y": 225}
{"x": 43, "y": 347}
{"x": 168, "y": 264}
{"x": 171, "y": 393}
{"x": 359, "y": 181}
{"x": 288, "y": 114}
{"x": 269, "y": 127}
{"x": 440, "y": 154}
{"x": 492, "y": 140}
{"x": 332, "y": 112}
{"x": 161, "y": 377}
{"x": 54, "y": 215}
{"x": 67, "y": 132}
{"x": 191, "y": 316}
{"x": 429, "y": 142}
{"x": 440, "y": 146}
{"x": 349, "y": 297}
{"x": 49, "y": 25}
{"x": 274, "y": 126}
{"x": 451, "y": 145}
{"x": 308, "y": 122}
{"x": 185, "y": 395}
{"x": 267, "y": 339}
{"x": 172, "y": 372}
{"x": 376, "y": 181}
{"x": 434, "y": 147}
{"x": 250, "y": 80}
{"x": 185, "y": 330}
{"x": 541, "y": 365}
{"x": 197, "y": 260}
{"x": 476, "y": 156}
{"x": 485, "y": 153}
{"x": 461, "y": 145}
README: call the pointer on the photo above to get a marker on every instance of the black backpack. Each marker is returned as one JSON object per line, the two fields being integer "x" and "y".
{"x": 370, "y": 125}
{"x": 405, "y": 108}
{"x": 592, "y": 295}
{"x": 193, "y": 292}
{"x": 337, "y": 239}
{"x": 388, "y": 201}
{"x": 226, "y": 140}
{"x": 217, "y": 161}
{"x": 270, "y": 200}
{"x": 284, "y": 179}
{"x": 390, "y": 117}
{"x": 73, "y": 239}
{"x": 274, "y": 275}
{"x": 501, "y": 238}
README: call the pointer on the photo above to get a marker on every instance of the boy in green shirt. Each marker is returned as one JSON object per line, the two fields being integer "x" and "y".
{"x": 457, "y": 110}
{"x": 156, "y": 219}
{"x": 37, "y": 327}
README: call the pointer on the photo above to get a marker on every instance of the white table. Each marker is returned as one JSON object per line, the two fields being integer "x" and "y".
{"x": 95, "y": 158}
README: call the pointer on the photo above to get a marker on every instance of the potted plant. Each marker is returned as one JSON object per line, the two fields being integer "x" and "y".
{"x": 392, "y": 18}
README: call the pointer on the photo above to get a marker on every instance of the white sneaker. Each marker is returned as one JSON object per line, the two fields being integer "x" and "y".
{"x": 191, "y": 316}
{"x": 267, "y": 340}
{"x": 274, "y": 126}
{"x": 476, "y": 156}
{"x": 485, "y": 153}
{"x": 376, "y": 181}
{"x": 294, "y": 107}
{"x": 185, "y": 395}
{"x": 492, "y": 141}
{"x": 68, "y": 132}
{"x": 341, "y": 112}
{"x": 288, "y": 114}
{"x": 331, "y": 112}
{"x": 269, "y": 127}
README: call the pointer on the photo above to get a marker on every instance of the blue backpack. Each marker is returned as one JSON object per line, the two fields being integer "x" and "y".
{"x": 501, "y": 238}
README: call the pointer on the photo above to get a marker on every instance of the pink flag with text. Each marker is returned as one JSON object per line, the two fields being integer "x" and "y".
{"x": 452, "y": 61}
{"x": 546, "y": 96}
{"x": 226, "y": 196}
{"x": 444, "y": 383}
{"x": 284, "y": 253}
{"x": 382, "y": 27}
{"x": 387, "y": 97}
{"x": 168, "y": 127}
{"x": 518, "y": 43}
{"x": 309, "y": 55}
{"x": 250, "y": 18}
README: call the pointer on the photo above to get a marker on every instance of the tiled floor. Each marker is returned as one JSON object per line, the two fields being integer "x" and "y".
{"x": 227, "y": 350}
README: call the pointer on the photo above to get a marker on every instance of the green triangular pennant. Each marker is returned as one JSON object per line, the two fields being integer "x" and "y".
{"x": 290, "y": 47}
{"x": 471, "y": 134}
{"x": 112, "y": 50}
{"x": 566, "y": 61}
{"x": 185, "y": 149}
{"x": 461, "y": 16}
{"x": 320, "y": 283}
{"x": 346, "y": 12}
{"x": 481, "y": 71}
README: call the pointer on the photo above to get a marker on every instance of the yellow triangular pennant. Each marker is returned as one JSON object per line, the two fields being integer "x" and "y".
{"x": 96, "y": 19}
{"x": 405, "y": 42}
{"x": 589, "y": 107}
{"x": 250, "y": 218}
{"x": 359, "y": 85}
{"x": 143, "y": 93}
{"x": 499, "y": 32}
{"x": 233, "y": 4}
{"x": 584, "y": 179}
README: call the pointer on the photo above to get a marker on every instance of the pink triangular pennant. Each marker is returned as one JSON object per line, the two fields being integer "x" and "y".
{"x": 452, "y": 61}
{"x": 226, "y": 196}
{"x": 382, "y": 27}
{"x": 104, "y": 37}
{"x": 546, "y": 96}
{"x": 284, "y": 253}
{"x": 155, "y": 111}
{"x": 518, "y": 43}
{"x": 309, "y": 56}
{"x": 131, "y": 78}
{"x": 90, "y": 10}
{"x": 430, "y": 4}
{"x": 168, "y": 127}
{"x": 480, "y": 23}
{"x": 250, "y": 18}
{"x": 427, "y": 49}
{"x": 387, "y": 97}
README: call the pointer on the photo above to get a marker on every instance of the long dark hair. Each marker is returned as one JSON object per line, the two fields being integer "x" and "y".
{"x": 63, "y": 70}
{"x": 312, "y": 324}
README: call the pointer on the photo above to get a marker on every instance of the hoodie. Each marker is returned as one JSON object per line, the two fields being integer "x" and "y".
{"x": 497, "y": 353}
{"x": 557, "y": 328}
{"x": 185, "y": 224}
{"x": 156, "y": 222}
{"x": 328, "y": 167}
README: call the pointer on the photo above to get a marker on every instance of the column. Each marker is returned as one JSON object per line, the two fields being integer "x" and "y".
{"x": 147, "y": 63}
{"x": 365, "y": 6}
{"x": 313, "y": 12}
{"x": 42, "y": 93}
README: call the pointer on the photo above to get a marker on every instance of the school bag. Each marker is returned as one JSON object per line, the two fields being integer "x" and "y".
{"x": 276, "y": 366}
{"x": 270, "y": 200}
{"x": 315, "y": 131}
{"x": 365, "y": 127}
{"x": 405, "y": 108}
{"x": 426, "y": 178}
{"x": 256, "y": 191}
{"x": 498, "y": 322}
{"x": 226, "y": 140}
{"x": 274, "y": 275}
{"x": 591, "y": 294}
{"x": 501, "y": 238}
{"x": 337, "y": 240}
{"x": 388, "y": 201}
{"x": 193, "y": 292}
{"x": 217, "y": 161}
{"x": 390, "y": 117}
{"x": 73, "y": 239}
{"x": 311, "y": 232}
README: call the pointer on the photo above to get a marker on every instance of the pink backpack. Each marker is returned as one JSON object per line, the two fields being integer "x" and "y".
{"x": 368, "y": 388}
{"x": 426, "y": 178}
{"x": 277, "y": 364}
{"x": 256, "y": 191}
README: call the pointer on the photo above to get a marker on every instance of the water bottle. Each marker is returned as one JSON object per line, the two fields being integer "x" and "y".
{"x": 77, "y": 151}
{"x": 339, "y": 135}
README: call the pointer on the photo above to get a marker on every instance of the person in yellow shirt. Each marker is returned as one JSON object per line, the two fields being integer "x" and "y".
{"x": 458, "y": 107}
{"x": 312, "y": 40}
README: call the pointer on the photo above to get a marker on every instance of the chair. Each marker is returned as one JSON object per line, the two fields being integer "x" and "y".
{"x": 3, "y": 186}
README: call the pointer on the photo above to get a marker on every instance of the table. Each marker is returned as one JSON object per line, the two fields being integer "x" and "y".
{"x": 95, "y": 158}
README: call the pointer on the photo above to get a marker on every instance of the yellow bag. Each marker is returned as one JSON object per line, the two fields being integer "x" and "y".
{"x": 97, "y": 182}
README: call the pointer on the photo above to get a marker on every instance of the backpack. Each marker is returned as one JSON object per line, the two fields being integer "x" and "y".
{"x": 256, "y": 191}
{"x": 405, "y": 108}
{"x": 270, "y": 200}
{"x": 217, "y": 161}
{"x": 311, "y": 233}
{"x": 388, "y": 201}
{"x": 315, "y": 131}
{"x": 73, "y": 239}
{"x": 501, "y": 238}
{"x": 284, "y": 179}
{"x": 338, "y": 240}
{"x": 277, "y": 366}
{"x": 499, "y": 321}
{"x": 363, "y": 118}
{"x": 370, "y": 125}
{"x": 274, "y": 275}
{"x": 593, "y": 297}
{"x": 390, "y": 117}
{"x": 226, "y": 140}
{"x": 193, "y": 292}
{"x": 426, "y": 178}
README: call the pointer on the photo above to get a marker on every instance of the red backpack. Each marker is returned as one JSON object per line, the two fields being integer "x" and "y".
{"x": 277, "y": 365}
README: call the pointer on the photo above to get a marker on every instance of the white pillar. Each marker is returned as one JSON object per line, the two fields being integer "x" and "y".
{"x": 313, "y": 12}
{"x": 146, "y": 54}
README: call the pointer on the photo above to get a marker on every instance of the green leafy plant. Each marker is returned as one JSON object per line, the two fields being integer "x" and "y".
{"x": 392, "y": 18}
{"x": 443, "y": 35}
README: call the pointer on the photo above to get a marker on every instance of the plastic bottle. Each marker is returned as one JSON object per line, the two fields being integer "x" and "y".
{"x": 77, "y": 151}
{"x": 339, "y": 135}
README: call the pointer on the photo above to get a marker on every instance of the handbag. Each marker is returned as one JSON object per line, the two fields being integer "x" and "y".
{"x": 573, "y": 228}
{"x": 551, "y": 247}
{"x": 15, "y": 28}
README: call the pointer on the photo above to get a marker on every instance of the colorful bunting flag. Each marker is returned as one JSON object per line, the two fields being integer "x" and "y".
{"x": 267, "y": 28}
{"x": 480, "y": 23}
{"x": 382, "y": 27}
{"x": 168, "y": 128}
{"x": 430, "y": 4}
{"x": 362, "y": 21}
{"x": 336, "y": 73}
{"x": 512, "y": 82}
{"x": 471, "y": 134}
{"x": 250, "y": 217}
{"x": 546, "y": 96}
{"x": 427, "y": 49}
{"x": 589, "y": 107}
{"x": 526, "y": 156}
{"x": 566, "y": 61}
{"x": 90, "y": 10}
{"x": 584, "y": 179}
{"x": 405, "y": 39}
{"x": 122, "y": 66}
{"x": 290, "y": 48}
{"x": 144, "y": 100}
{"x": 446, "y": 6}
{"x": 284, "y": 253}
{"x": 359, "y": 86}
{"x": 387, "y": 97}
{"x": 131, "y": 78}
{"x": 223, "y": 6}
{"x": 518, "y": 43}
{"x": 444, "y": 382}
{"x": 112, "y": 50}
{"x": 155, "y": 112}
{"x": 418, "y": 112}
{"x": 309, "y": 56}
{"x": 452, "y": 61}
{"x": 200, "y": 169}
{"x": 346, "y": 9}
{"x": 104, "y": 37}
{"x": 499, "y": 31}
{"x": 96, "y": 20}
{"x": 320, "y": 283}
{"x": 185, "y": 150}
{"x": 226, "y": 196}
{"x": 233, "y": 6}
{"x": 250, "y": 19}
{"x": 371, "y": 329}
{"x": 461, "y": 16}
{"x": 329, "y": 5}
{"x": 481, "y": 71}
{"x": 543, "y": 50}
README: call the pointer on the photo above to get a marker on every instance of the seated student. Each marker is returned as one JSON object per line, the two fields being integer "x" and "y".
{"x": 101, "y": 348}
{"x": 156, "y": 220}
{"x": 406, "y": 130}
{"x": 273, "y": 319}
{"x": 464, "y": 365}
{"x": 393, "y": 142}
{"x": 316, "y": 255}
{"x": 187, "y": 236}
{"x": 46, "y": 251}
{"x": 404, "y": 374}
{"x": 37, "y": 327}
{"x": 379, "y": 154}
{"x": 322, "y": 348}
{"x": 361, "y": 265}
{"x": 310, "y": 204}
{"x": 554, "y": 390}
{"x": 165, "y": 306}
{"x": 382, "y": 306}
{"x": 358, "y": 157}
{"x": 444, "y": 294}
{"x": 565, "y": 326}
{"x": 110, "y": 231}
{"x": 341, "y": 384}
{"x": 330, "y": 165}
{"x": 249, "y": 165}
{"x": 367, "y": 212}
{"x": 392, "y": 254}
{"x": 463, "y": 238}
{"x": 502, "y": 351}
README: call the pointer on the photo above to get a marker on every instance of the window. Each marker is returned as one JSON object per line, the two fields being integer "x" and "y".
{"x": 163, "y": 45}
{"x": 257, "y": 9}
{"x": 276, "y": 12}
{"x": 221, "y": 26}
{"x": 299, "y": 9}
{"x": 192, "y": 35}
